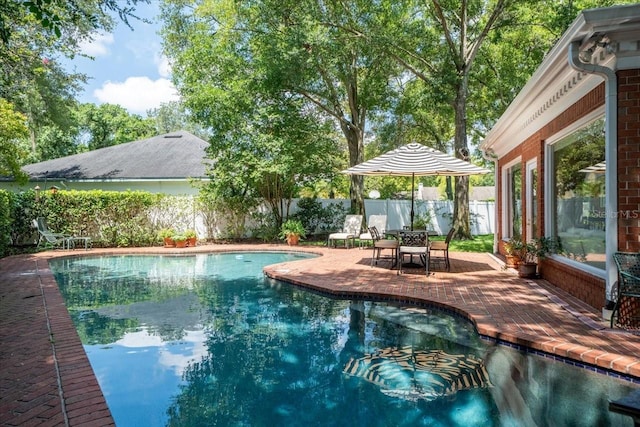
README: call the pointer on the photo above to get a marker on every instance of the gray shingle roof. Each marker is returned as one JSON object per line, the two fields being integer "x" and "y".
{"x": 175, "y": 155}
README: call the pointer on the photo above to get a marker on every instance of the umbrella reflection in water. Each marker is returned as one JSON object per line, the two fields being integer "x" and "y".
{"x": 419, "y": 374}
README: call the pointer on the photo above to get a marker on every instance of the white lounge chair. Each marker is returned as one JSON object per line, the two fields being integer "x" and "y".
{"x": 377, "y": 221}
{"x": 350, "y": 230}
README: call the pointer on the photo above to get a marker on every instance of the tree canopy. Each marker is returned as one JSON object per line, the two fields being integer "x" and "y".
{"x": 12, "y": 128}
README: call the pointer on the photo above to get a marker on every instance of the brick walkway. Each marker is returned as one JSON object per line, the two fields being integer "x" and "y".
{"x": 46, "y": 378}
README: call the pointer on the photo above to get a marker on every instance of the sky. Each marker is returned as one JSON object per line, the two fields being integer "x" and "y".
{"x": 128, "y": 68}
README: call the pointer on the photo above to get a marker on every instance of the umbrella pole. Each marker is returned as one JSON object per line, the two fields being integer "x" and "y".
{"x": 413, "y": 179}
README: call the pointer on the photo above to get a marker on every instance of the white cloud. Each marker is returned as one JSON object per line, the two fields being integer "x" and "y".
{"x": 137, "y": 94}
{"x": 98, "y": 45}
{"x": 162, "y": 62}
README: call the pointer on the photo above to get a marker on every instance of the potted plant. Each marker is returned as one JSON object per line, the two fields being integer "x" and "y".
{"x": 166, "y": 235}
{"x": 513, "y": 248}
{"x": 530, "y": 253}
{"x": 180, "y": 240}
{"x": 292, "y": 231}
{"x": 191, "y": 237}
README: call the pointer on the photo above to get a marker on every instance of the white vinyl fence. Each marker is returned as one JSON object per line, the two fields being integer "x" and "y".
{"x": 440, "y": 211}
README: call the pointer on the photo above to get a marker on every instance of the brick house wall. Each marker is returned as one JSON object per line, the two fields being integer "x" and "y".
{"x": 586, "y": 287}
{"x": 568, "y": 87}
{"x": 629, "y": 160}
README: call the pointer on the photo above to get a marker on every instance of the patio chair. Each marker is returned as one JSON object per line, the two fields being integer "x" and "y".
{"x": 46, "y": 235}
{"x": 377, "y": 221}
{"x": 440, "y": 246}
{"x": 66, "y": 241}
{"x": 380, "y": 244}
{"x": 414, "y": 243}
{"x": 628, "y": 264}
{"x": 350, "y": 230}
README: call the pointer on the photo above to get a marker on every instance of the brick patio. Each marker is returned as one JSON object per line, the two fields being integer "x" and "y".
{"x": 46, "y": 378}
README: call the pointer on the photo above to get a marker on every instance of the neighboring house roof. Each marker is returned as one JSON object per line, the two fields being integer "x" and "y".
{"x": 482, "y": 193}
{"x": 176, "y": 155}
{"x": 428, "y": 193}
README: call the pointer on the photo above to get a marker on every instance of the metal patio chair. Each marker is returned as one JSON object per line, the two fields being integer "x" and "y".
{"x": 379, "y": 244}
{"x": 46, "y": 235}
{"x": 628, "y": 264}
{"x": 413, "y": 243}
{"x": 377, "y": 221}
{"x": 442, "y": 246}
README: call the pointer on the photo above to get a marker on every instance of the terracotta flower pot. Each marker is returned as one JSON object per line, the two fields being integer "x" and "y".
{"x": 181, "y": 243}
{"x": 169, "y": 243}
{"x": 191, "y": 241}
{"x": 512, "y": 261}
{"x": 293, "y": 240}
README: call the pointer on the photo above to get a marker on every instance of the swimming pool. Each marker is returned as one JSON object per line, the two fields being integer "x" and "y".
{"x": 208, "y": 340}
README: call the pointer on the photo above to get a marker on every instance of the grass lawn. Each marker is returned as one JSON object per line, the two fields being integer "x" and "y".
{"x": 482, "y": 243}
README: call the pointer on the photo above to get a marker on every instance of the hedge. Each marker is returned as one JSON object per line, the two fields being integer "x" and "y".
{"x": 110, "y": 218}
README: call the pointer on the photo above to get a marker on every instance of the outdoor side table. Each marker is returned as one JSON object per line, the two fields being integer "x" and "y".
{"x": 71, "y": 241}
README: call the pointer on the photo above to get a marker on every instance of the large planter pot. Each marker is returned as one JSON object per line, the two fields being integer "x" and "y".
{"x": 527, "y": 269}
{"x": 191, "y": 241}
{"x": 293, "y": 240}
{"x": 168, "y": 242}
{"x": 181, "y": 243}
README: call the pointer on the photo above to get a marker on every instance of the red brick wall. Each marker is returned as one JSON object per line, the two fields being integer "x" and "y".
{"x": 533, "y": 148}
{"x": 582, "y": 285}
{"x": 629, "y": 160}
{"x": 586, "y": 287}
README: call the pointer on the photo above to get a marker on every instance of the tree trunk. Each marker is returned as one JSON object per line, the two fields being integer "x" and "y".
{"x": 448, "y": 191}
{"x": 355, "y": 142}
{"x": 461, "y": 221}
{"x": 354, "y": 133}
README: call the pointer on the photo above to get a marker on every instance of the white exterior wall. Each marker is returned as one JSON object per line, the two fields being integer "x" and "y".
{"x": 169, "y": 187}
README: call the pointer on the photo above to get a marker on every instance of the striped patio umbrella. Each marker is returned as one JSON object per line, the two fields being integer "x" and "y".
{"x": 419, "y": 375}
{"x": 415, "y": 160}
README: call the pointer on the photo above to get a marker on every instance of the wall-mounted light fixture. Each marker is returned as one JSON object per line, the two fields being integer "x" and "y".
{"x": 587, "y": 55}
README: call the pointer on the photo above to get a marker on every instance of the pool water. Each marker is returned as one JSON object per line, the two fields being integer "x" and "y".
{"x": 207, "y": 340}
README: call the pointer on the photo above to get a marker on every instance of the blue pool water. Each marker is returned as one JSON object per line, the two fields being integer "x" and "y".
{"x": 207, "y": 340}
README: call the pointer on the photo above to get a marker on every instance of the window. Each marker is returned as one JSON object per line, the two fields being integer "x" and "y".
{"x": 578, "y": 165}
{"x": 513, "y": 199}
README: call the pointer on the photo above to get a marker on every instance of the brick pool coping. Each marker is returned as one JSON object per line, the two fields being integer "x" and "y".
{"x": 46, "y": 377}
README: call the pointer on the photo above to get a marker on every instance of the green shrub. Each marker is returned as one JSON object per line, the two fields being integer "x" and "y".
{"x": 317, "y": 219}
{"x": 6, "y": 204}
{"x": 265, "y": 226}
{"x": 110, "y": 218}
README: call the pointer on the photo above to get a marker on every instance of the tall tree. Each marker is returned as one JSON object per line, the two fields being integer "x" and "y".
{"x": 108, "y": 124}
{"x": 296, "y": 49}
{"x": 173, "y": 116}
{"x": 34, "y": 35}
{"x": 265, "y": 141}
{"x": 13, "y": 127}
{"x": 442, "y": 54}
